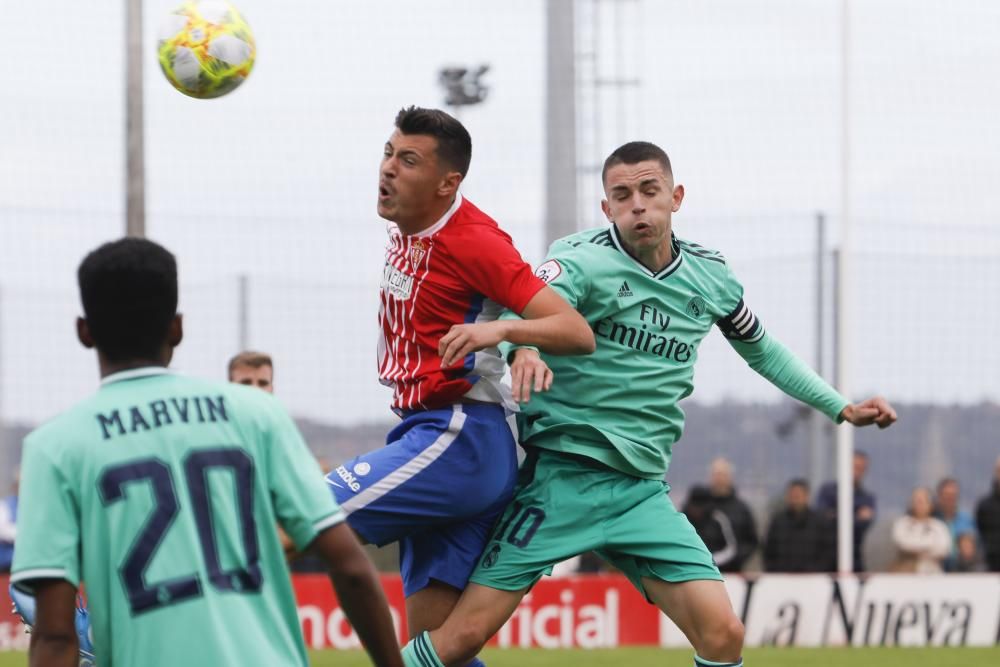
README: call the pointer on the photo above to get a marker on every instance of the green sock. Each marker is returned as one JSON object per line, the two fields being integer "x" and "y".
{"x": 419, "y": 652}
{"x": 701, "y": 662}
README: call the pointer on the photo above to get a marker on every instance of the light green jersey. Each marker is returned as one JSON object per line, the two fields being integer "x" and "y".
{"x": 619, "y": 405}
{"x": 162, "y": 493}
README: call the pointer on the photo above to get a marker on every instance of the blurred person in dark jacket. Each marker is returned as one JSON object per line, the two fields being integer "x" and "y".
{"x": 723, "y": 521}
{"x": 798, "y": 539}
{"x": 988, "y": 522}
{"x": 864, "y": 506}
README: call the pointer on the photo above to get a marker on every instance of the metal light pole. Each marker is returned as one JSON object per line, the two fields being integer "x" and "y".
{"x": 845, "y": 434}
{"x": 135, "y": 171}
{"x": 560, "y": 121}
{"x": 817, "y": 429}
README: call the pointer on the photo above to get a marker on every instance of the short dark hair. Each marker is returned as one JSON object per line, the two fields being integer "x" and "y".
{"x": 635, "y": 152}
{"x": 798, "y": 481}
{"x": 454, "y": 145}
{"x": 945, "y": 481}
{"x": 129, "y": 293}
{"x": 250, "y": 358}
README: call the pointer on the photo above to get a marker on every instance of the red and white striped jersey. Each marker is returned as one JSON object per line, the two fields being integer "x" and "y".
{"x": 463, "y": 269}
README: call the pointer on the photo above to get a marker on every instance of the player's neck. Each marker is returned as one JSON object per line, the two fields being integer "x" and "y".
{"x": 658, "y": 258}
{"x": 426, "y": 221}
{"x": 108, "y": 367}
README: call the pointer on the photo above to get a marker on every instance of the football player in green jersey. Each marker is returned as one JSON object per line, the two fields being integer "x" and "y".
{"x": 599, "y": 441}
{"x": 160, "y": 493}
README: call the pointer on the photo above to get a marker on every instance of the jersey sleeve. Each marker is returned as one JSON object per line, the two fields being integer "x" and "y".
{"x": 563, "y": 271}
{"x": 739, "y": 323}
{"x": 303, "y": 503}
{"x": 48, "y": 537}
{"x": 491, "y": 264}
{"x": 790, "y": 374}
{"x": 768, "y": 357}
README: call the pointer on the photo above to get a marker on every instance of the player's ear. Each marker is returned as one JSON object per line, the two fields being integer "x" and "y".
{"x": 176, "y": 332}
{"x": 83, "y": 333}
{"x": 449, "y": 184}
{"x": 607, "y": 210}
{"x": 678, "y": 197}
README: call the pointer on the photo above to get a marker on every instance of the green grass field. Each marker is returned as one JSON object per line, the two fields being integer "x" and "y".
{"x": 651, "y": 657}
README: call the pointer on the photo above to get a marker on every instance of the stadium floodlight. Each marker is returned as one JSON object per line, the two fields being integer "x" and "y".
{"x": 463, "y": 86}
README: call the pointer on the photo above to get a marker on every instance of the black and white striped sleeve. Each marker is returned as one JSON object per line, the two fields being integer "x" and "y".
{"x": 741, "y": 325}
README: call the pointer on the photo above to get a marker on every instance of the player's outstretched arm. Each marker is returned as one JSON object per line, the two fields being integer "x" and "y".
{"x": 53, "y": 636}
{"x": 360, "y": 593}
{"x": 549, "y": 323}
{"x": 873, "y": 411}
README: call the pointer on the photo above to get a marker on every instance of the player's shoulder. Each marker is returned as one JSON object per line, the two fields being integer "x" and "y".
{"x": 592, "y": 241}
{"x": 471, "y": 235}
{"x": 699, "y": 254}
{"x": 469, "y": 219}
{"x": 64, "y": 429}
{"x": 703, "y": 261}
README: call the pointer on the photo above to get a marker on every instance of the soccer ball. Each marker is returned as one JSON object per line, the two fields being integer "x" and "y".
{"x": 206, "y": 49}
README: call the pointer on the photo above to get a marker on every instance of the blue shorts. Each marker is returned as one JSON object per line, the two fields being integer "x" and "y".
{"x": 437, "y": 487}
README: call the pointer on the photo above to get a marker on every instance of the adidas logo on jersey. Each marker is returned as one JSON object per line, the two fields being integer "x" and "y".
{"x": 624, "y": 291}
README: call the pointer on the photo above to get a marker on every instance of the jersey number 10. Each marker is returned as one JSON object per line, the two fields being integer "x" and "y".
{"x": 143, "y": 596}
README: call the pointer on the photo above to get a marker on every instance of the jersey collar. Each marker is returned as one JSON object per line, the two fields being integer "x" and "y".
{"x": 135, "y": 373}
{"x": 436, "y": 227}
{"x": 662, "y": 273}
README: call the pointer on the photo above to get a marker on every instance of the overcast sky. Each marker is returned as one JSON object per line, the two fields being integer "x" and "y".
{"x": 278, "y": 180}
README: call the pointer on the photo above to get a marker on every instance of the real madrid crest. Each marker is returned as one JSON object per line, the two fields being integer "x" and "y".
{"x": 417, "y": 252}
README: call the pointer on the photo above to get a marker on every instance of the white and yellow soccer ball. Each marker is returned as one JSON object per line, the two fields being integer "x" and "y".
{"x": 206, "y": 49}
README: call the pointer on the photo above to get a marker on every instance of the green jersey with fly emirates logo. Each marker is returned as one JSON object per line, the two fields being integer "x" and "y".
{"x": 619, "y": 405}
{"x": 599, "y": 441}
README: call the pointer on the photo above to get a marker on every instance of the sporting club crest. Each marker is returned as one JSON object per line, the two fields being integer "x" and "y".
{"x": 417, "y": 252}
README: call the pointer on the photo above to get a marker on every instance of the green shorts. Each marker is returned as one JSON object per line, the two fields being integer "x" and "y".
{"x": 566, "y": 505}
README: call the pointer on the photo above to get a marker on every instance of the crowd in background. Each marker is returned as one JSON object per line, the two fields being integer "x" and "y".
{"x": 934, "y": 535}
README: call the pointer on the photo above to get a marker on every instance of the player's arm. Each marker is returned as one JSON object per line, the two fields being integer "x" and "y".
{"x": 53, "y": 636}
{"x": 780, "y": 366}
{"x": 547, "y": 322}
{"x": 360, "y": 593}
{"x": 47, "y": 557}
{"x": 539, "y": 315}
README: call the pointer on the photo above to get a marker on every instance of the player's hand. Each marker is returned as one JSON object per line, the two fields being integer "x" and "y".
{"x": 873, "y": 411}
{"x": 463, "y": 339}
{"x": 528, "y": 372}
{"x": 291, "y": 553}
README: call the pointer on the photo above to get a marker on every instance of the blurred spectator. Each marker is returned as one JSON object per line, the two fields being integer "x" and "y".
{"x": 8, "y": 526}
{"x": 723, "y": 521}
{"x": 798, "y": 539}
{"x": 958, "y": 521}
{"x": 864, "y": 506}
{"x": 988, "y": 522}
{"x": 923, "y": 541}
{"x": 254, "y": 369}
{"x": 968, "y": 558}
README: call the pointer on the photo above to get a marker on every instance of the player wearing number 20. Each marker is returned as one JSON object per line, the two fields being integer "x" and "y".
{"x": 160, "y": 493}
